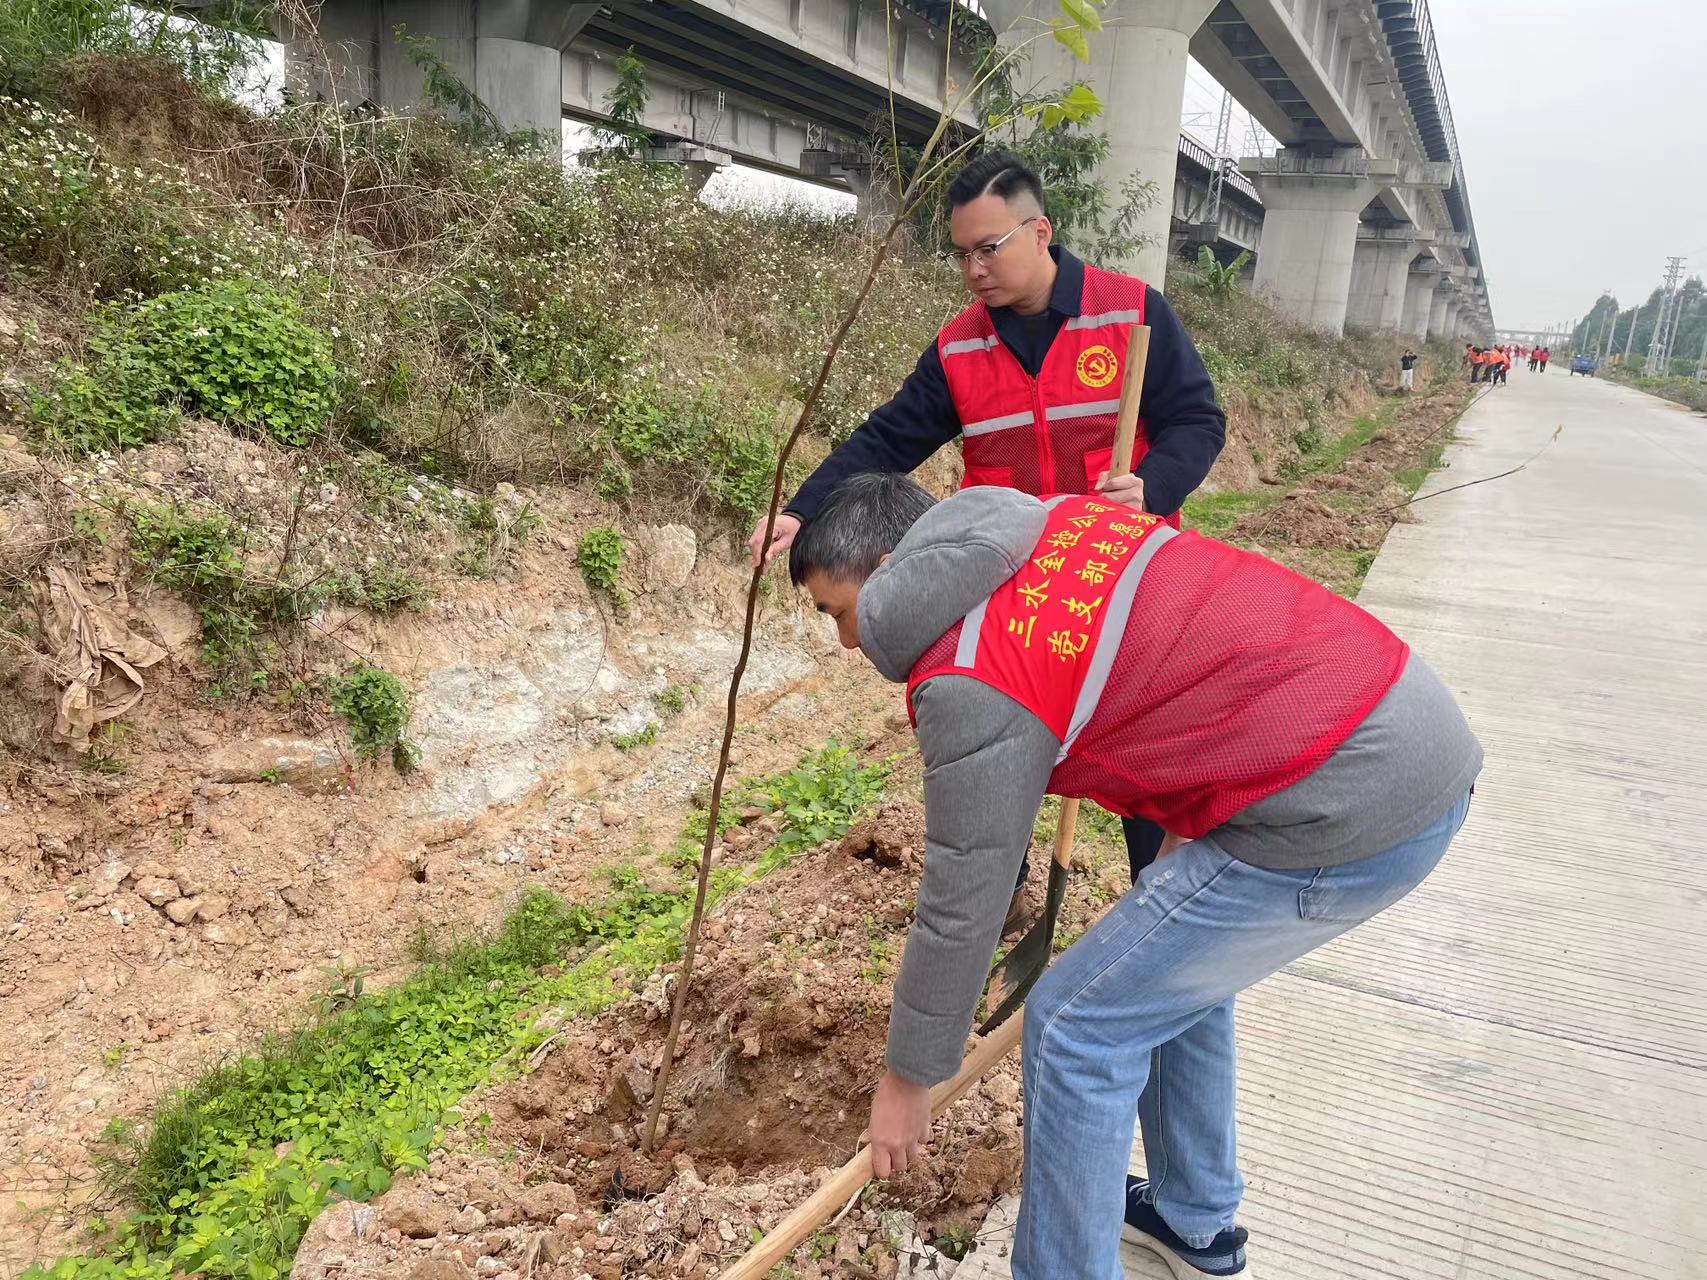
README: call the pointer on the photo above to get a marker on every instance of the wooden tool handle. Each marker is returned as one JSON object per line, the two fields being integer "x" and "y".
{"x": 1064, "y": 834}
{"x": 1125, "y": 439}
{"x": 846, "y": 1181}
{"x": 1131, "y": 392}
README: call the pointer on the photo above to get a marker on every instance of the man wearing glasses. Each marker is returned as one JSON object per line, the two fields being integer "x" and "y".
{"x": 1028, "y": 379}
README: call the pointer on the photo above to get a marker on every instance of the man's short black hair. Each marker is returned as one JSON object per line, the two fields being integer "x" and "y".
{"x": 995, "y": 173}
{"x": 864, "y": 519}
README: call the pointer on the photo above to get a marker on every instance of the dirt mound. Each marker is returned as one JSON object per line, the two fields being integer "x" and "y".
{"x": 1303, "y": 519}
{"x": 782, "y": 1042}
{"x": 1352, "y": 507}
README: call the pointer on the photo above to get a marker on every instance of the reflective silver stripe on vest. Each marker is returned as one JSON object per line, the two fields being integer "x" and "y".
{"x": 966, "y": 649}
{"x": 970, "y": 344}
{"x": 1112, "y": 635}
{"x": 1106, "y": 318}
{"x": 998, "y": 424}
{"x": 1049, "y": 504}
{"x": 1091, "y": 409}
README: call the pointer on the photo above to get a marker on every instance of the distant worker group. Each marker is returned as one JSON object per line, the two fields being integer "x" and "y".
{"x": 1491, "y": 364}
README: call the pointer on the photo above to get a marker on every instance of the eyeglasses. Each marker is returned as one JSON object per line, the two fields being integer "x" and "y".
{"x": 984, "y": 254}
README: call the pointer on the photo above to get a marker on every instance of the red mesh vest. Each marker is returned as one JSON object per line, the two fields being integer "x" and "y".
{"x": 1053, "y": 433}
{"x": 1186, "y": 679}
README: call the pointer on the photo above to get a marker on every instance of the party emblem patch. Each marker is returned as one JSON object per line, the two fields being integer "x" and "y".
{"x": 1097, "y": 366}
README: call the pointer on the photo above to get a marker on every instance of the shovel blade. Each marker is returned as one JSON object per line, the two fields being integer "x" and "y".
{"x": 1024, "y": 965}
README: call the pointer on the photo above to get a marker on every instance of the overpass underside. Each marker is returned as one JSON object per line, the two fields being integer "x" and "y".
{"x": 1366, "y": 216}
{"x": 1362, "y": 218}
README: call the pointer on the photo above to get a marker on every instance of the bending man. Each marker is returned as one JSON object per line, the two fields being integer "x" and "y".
{"x": 1082, "y": 648}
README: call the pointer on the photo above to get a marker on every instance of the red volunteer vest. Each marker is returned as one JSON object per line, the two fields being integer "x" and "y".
{"x": 1186, "y": 679}
{"x": 1053, "y": 433}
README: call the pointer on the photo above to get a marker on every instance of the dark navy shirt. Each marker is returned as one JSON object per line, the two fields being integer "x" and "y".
{"x": 1184, "y": 425}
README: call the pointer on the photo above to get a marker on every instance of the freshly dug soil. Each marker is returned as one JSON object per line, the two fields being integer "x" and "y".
{"x": 783, "y": 1039}
{"x": 1366, "y": 496}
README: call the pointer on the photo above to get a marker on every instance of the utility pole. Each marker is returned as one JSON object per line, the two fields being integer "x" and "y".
{"x": 1659, "y": 348}
{"x": 1223, "y": 162}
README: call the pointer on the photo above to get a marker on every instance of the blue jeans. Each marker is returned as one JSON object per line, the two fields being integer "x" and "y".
{"x": 1135, "y": 1021}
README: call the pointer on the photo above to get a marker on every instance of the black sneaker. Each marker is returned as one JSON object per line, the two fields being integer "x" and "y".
{"x": 1225, "y": 1255}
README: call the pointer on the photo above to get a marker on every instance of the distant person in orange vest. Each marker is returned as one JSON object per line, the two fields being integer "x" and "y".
{"x": 1473, "y": 358}
{"x": 1317, "y": 767}
{"x": 1534, "y": 358}
{"x": 1501, "y": 364}
{"x": 1546, "y": 353}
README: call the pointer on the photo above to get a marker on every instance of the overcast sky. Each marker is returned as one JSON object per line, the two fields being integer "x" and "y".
{"x": 1583, "y": 128}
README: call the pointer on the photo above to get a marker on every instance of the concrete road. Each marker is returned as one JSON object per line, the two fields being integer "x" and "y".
{"x": 1506, "y": 1074}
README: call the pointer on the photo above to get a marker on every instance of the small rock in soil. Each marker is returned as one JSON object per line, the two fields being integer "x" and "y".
{"x": 469, "y": 1219}
{"x": 612, "y": 814}
{"x": 642, "y": 1176}
{"x": 1002, "y": 1090}
{"x": 440, "y": 1269}
{"x": 986, "y": 1174}
{"x": 414, "y": 1213}
{"x": 182, "y": 910}
{"x": 157, "y": 891}
{"x": 299, "y": 763}
{"x": 547, "y": 1201}
{"x": 674, "y": 548}
{"x": 639, "y": 1077}
{"x": 621, "y": 1102}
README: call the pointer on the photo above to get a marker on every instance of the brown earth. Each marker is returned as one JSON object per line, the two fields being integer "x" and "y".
{"x": 783, "y": 1040}
{"x": 782, "y": 1043}
{"x": 186, "y": 887}
{"x": 1352, "y": 508}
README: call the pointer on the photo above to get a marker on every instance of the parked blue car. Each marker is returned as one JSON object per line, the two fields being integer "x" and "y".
{"x": 1584, "y": 364}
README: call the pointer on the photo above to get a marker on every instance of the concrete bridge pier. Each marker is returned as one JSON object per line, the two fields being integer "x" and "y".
{"x": 1309, "y": 231}
{"x": 1137, "y": 70}
{"x": 876, "y": 195}
{"x": 1437, "y": 315}
{"x": 1380, "y": 264}
{"x": 1455, "y": 324}
{"x": 1420, "y": 287}
{"x": 509, "y": 52}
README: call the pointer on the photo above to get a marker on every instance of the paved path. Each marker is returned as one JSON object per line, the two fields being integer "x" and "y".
{"x": 1506, "y": 1074}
